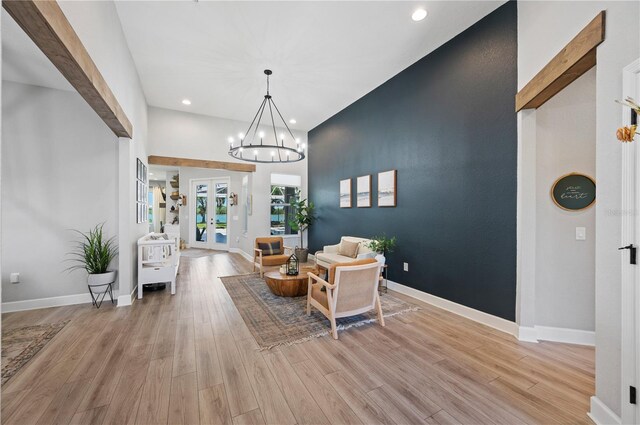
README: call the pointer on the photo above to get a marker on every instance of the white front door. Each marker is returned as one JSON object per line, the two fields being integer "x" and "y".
{"x": 208, "y": 224}
{"x": 630, "y": 244}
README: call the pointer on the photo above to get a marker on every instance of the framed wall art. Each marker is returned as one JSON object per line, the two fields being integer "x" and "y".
{"x": 387, "y": 181}
{"x": 142, "y": 192}
{"x": 345, "y": 193}
{"x": 363, "y": 191}
{"x": 574, "y": 192}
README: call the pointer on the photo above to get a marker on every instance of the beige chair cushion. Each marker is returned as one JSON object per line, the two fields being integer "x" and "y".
{"x": 332, "y": 258}
{"x": 332, "y": 268}
{"x": 274, "y": 260}
{"x": 348, "y": 249}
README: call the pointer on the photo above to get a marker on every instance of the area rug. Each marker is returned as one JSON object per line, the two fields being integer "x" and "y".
{"x": 275, "y": 320}
{"x": 19, "y": 345}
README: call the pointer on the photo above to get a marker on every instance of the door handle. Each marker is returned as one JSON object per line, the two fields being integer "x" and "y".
{"x": 632, "y": 253}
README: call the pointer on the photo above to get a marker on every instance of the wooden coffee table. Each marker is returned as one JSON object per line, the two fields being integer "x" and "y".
{"x": 289, "y": 286}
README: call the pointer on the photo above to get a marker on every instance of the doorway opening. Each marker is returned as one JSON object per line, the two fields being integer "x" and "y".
{"x": 209, "y": 224}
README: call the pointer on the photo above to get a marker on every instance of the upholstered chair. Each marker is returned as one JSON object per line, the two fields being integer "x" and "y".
{"x": 266, "y": 258}
{"x": 352, "y": 289}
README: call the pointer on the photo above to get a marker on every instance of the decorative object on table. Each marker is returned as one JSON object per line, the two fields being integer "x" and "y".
{"x": 387, "y": 188}
{"x": 363, "y": 191}
{"x": 293, "y": 265}
{"x": 233, "y": 199}
{"x": 142, "y": 192}
{"x": 574, "y": 192}
{"x": 267, "y": 147}
{"x": 94, "y": 253}
{"x": 274, "y": 320}
{"x": 19, "y": 345}
{"x": 628, "y": 133}
{"x": 303, "y": 218}
{"x": 345, "y": 193}
{"x": 382, "y": 244}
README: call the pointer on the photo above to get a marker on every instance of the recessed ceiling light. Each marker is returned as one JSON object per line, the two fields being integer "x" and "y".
{"x": 186, "y": 102}
{"x": 292, "y": 121}
{"x": 419, "y": 14}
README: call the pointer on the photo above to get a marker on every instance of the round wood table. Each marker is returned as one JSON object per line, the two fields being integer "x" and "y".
{"x": 289, "y": 286}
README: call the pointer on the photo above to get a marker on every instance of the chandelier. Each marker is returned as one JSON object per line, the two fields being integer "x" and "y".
{"x": 257, "y": 146}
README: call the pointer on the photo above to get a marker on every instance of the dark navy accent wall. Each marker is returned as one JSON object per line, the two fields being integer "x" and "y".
{"x": 447, "y": 124}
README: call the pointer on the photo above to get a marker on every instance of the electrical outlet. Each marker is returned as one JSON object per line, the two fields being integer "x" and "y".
{"x": 14, "y": 278}
{"x": 406, "y": 267}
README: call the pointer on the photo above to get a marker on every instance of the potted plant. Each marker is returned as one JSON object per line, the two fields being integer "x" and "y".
{"x": 304, "y": 217}
{"x": 94, "y": 253}
{"x": 382, "y": 245}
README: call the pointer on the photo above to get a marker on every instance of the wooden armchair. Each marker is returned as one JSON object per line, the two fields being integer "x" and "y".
{"x": 352, "y": 289}
{"x": 269, "y": 260}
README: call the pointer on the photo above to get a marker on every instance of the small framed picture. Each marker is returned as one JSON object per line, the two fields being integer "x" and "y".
{"x": 345, "y": 193}
{"x": 387, "y": 181}
{"x": 363, "y": 191}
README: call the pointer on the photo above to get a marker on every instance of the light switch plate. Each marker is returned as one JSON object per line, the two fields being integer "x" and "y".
{"x": 406, "y": 267}
{"x": 581, "y": 233}
{"x": 14, "y": 277}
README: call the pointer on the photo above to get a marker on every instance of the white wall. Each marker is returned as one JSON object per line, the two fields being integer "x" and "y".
{"x": 58, "y": 167}
{"x": 98, "y": 26}
{"x": 185, "y": 135}
{"x": 565, "y": 267}
{"x": 544, "y": 28}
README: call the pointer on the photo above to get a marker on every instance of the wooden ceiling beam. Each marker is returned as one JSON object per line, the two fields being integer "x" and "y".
{"x": 575, "y": 59}
{"x": 48, "y": 27}
{"x": 200, "y": 163}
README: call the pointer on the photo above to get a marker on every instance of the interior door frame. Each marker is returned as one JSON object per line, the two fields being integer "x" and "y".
{"x": 210, "y": 243}
{"x": 630, "y": 290}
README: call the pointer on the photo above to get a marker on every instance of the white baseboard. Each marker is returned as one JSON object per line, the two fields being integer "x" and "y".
{"x": 569, "y": 336}
{"x": 241, "y": 252}
{"x": 548, "y": 333}
{"x": 527, "y": 334}
{"x": 459, "y": 309}
{"x": 125, "y": 300}
{"x": 601, "y": 414}
{"x": 12, "y": 306}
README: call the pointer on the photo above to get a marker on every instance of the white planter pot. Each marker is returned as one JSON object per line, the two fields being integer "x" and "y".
{"x": 99, "y": 282}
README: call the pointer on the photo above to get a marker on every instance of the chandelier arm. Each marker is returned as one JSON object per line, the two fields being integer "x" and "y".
{"x": 259, "y": 119}
{"x": 254, "y": 120}
{"x": 275, "y": 133}
{"x": 283, "y": 121}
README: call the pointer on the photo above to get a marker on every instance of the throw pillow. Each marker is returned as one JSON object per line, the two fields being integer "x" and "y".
{"x": 348, "y": 249}
{"x": 270, "y": 248}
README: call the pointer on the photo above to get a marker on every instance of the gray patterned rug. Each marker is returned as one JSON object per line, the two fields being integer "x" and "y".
{"x": 275, "y": 320}
{"x": 21, "y": 344}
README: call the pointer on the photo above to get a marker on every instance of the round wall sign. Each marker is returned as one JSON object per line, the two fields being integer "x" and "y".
{"x": 574, "y": 192}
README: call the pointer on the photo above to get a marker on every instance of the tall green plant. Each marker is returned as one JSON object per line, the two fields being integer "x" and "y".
{"x": 94, "y": 252}
{"x": 303, "y": 218}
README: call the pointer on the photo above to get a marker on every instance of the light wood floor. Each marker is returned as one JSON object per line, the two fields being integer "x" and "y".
{"x": 190, "y": 359}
